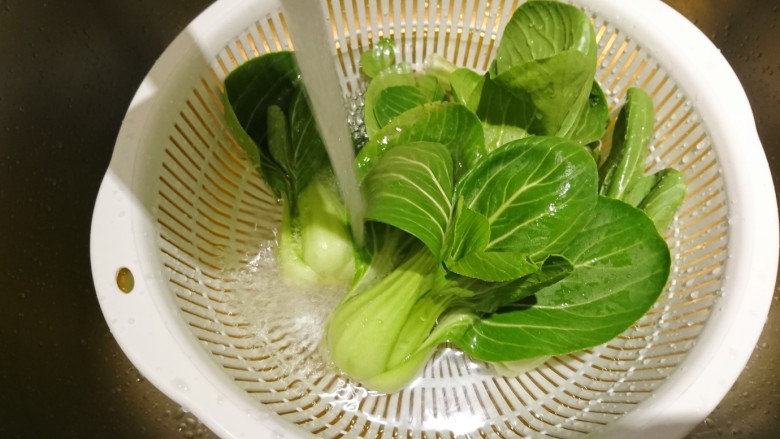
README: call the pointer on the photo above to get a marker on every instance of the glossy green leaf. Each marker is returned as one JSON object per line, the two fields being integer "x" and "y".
{"x": 396, "y": 75}
{"x": 395, "y": 100}
{"x": 545, "y": 96}
{"x": 389, "y": 95}
{"x": 621, "y": 265}
{"x": 431, "y": 87}
{"x": 378, "y": 58}
{"x": 468, "y": 232}
{"x": 276, "y": 162}
{"x": 411, "y": 188}
{"x": 547, "y": 56}
{"x": 258, "y": 83}
{"x": 495, "y": 266}
{"x": 622, "y": 176}
{"x": 411, "y": 91}
{"x": 534, "y": 192}
{"x": 624, "y": 167}
{"x": 442, "y": 68}
{"x": 307, "y": 153}
{"x": 440, "y": 122}
{"x": 463, "y": 82}
{"x": 278, "y": 135}
{"x": 592, "y": 120}
{"x": 295, "y": 152}
{"x": 639, "y": 190}
{"x": 270, "y": 116}
{"x": 250, "y": 90}
{"x": 467, "y": 238}
{"x": 505, "y": 116}
{"x": 665, "y": 198}
{"x": 488, "y": 297}
{"x": 539, "y": 30}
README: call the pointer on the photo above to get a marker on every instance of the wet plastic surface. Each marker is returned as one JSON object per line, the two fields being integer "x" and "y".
{"x": 68, "y": 73}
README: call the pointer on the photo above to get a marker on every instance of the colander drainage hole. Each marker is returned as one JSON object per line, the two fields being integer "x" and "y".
{"x": 125, "y": 280}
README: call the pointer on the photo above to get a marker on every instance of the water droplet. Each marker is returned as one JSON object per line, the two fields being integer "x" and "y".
{"x": 182, "y": 386}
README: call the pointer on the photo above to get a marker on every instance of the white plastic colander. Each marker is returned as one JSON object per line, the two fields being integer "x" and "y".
{"x": 182, "y": 220}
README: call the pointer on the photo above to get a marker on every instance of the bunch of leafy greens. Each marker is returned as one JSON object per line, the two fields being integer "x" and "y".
{"x": 268, "y": 113}
{"x": 491, "y": 224}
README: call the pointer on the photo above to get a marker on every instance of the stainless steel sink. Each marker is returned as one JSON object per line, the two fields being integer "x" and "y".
{"x": 68, "y": 72}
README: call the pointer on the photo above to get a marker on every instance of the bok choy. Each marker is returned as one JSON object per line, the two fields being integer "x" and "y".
{"x": 490, "y": 222}
{"x": 268, "y": 112}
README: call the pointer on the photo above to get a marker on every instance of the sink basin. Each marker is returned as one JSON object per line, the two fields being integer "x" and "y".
{"x": 68, "y": 76}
